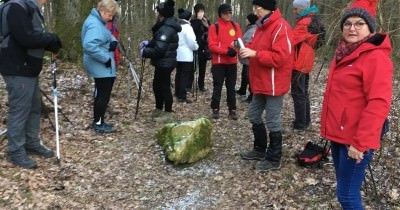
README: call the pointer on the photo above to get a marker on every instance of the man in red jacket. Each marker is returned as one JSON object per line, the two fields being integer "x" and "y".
{"x": 269, "y": 54}
{"x": 221, "y": 37}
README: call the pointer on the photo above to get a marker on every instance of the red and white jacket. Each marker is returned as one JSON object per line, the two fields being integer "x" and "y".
{"x": 358, "y": 95}
{"x": 303, "y": 45}
{"x": 218, "y": 44}
{"x": 271, "y": 68}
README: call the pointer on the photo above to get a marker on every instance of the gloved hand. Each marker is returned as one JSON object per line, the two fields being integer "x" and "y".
{"x": 113, "y": 46}
{"x": 144, "y": 44}
{"x": 231, "y": 52}
{"x": 141, "y": 52}
{"x": 54, "y": 44}
{"x": 108, "y": 63}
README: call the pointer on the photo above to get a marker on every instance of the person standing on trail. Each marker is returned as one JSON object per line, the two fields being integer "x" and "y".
{"x": 221, "y": 37}
{"x": 248, "y": 35}
{"x": 99, "y": 46}
{"x": 187, "y": 44}
{"x": 162, "y": 51}
{"x": 269, "y": 54}
{"x": 21, "y": 61}
{"x": 303, "y": 55}
{"x": 200, "y": 24}
{"x": 357, "y": 99}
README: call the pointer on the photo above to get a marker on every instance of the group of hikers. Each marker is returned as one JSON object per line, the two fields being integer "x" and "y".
{"x": 276, "y": 58}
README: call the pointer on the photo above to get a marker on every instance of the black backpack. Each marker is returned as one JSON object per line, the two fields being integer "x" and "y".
{"x": 314, "y": 155}
{"x": 4, "y": 7}
{"x": 217, "y": 28}
{"x": 317, "y": 27}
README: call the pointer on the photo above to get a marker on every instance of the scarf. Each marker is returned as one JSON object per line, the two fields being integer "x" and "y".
{"x": 344, "y": 48}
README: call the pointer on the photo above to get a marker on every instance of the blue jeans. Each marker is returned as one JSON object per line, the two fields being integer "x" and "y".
{"x": 349, "y": 176}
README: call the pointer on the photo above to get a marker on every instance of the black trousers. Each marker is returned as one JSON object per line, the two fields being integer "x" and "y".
{"x": 221, "y": 73}
{"x": 301, "y": 101}
{"x": 245, "y": 80}
{"x": 102, "y": 93}
{"x": 202, "y": 73}
{"x": 162, "y": 88}
{"x": 183, "y": 72}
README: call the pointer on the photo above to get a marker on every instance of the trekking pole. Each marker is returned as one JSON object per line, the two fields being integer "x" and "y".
{"x": 53, "y": 71}
{"x": 196, "y": 75}
{"x": 140, "y": 87}
{"x": 51, "y": 101}
{"x": 373, "y": 182}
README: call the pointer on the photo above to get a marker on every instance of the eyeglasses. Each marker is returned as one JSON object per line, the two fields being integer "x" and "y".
{"x": 255, "y": 8}
{"x": 357, "y": 25}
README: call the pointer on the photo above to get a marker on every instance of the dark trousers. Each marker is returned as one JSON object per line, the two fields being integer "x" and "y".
{"x": 299, "y": 91}
{"x": 183, "y": 72}
{"x": 162, "y": 88}
{"x": 103, "y": 88}
{"x": 202, "y": 73}
{"x": 221, "y": 73}
{"x": 245, "y": 80}
{"x": 23, "y": 122}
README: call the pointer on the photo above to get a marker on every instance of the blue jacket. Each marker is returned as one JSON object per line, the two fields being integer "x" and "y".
{"x": 96, "y": 39}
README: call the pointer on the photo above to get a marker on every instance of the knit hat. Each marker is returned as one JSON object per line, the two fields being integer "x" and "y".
{"x": 266, "y": 4}
{"x": 301, "y": 4}
{"x": 365, "y": 9}
{"x": 199, "y": 7}
{"x": 166, "y": 9}
{"x": 224, "y": 8}
{"x": 184, "y": 14}
{"x": 252, "y": 18}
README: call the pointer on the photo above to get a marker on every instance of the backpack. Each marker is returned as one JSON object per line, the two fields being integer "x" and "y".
{"x": 314, "y": 155}
{"x": 4, "y": 7}
{"x": 317, "y": 27}
{"x": 216, "y": 26}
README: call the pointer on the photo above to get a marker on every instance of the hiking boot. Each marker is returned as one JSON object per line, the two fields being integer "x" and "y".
{"x": 253, "y": 155}
{"x": 165, "y": 117}
{"x": 241, "y": 92}
{"x": 182, "y": 100}
{"x": 103, "y": 128}
{"x": 232, "y": 115}
{"x": 202, "y": 89}
{"x": 215, "y": 114}
{"x": 40, "y": 150}
{"x": 156, "y": 113}
{"x": 267, "y": 165}
{"x": 19, "y": 158}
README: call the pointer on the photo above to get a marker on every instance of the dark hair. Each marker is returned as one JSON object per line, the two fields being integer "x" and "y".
{"x": 166, "y": 9}
{"x": 184, "y": 14}
{"x": 198, "y": 7}
{"x": 252, "y": 18}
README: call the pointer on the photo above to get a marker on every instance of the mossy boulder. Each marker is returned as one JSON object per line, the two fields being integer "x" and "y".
{"x": 186, "y": 142}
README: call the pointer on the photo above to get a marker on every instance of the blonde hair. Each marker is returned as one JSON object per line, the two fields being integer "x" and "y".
{"x": 109, "y": 6}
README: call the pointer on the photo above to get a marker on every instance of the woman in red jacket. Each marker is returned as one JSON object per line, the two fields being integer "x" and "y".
{"x": 270, "y": 67}
{"x": 357, "y": 99}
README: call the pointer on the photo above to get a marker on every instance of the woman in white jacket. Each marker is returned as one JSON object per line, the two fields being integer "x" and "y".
{"x": 187, "y": 44}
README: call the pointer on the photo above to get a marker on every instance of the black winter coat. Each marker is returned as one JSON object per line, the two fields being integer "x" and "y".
{"x": 201, "y": 32}
{"x": 22, "y": 54}
{"x": 162, "y": 48}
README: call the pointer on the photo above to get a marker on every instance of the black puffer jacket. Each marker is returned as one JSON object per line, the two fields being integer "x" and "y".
{"x": 162, "y": 48}
{"x": 22, "y": 51}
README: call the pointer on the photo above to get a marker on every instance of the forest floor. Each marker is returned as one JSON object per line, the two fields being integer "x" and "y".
{"x": 127, "y": 170}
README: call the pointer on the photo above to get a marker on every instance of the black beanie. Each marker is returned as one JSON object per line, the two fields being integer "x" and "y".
{"x": 184, "y": 14}
{"x": 224, "y": 8}
{"x": 266, "y": 4}
{"x": 252, "y": 18}
{"x": 166, "y": 9}
{"x": 199, "y": 7}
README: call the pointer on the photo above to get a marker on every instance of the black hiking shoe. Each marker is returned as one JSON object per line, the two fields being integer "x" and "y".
{"x": 267, "y": 165}
{"x": 253, "y": 155}
{"x": 232, "y": 115}
{"x": 40, "y": 150}
{"x": 19, "y": 158}
{"x": 103, "y": 128}
{"x": 184, "y": 100}
{"x": 215, "y": 114}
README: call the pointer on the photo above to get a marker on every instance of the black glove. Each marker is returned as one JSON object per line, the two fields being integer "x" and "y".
{"x": 113, "y": 46}
{"x": 55, "y": 44}
{"x": 108, "y": 63}
{"x": 231, "y": 52}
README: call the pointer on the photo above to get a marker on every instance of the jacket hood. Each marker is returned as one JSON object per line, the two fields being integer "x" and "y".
{"x": 95, "y": 13}
{"x": 275, "y": 15}
{"x": 172, "y": 22}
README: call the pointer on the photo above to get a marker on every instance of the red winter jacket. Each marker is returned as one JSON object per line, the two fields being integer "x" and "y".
{"x": 358, "y": 95}
{"x": 112, "y": 26}
{"x": 271, "y": 68}
{"x": 218, "y": 43}
{"x": 303, "y": 45}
